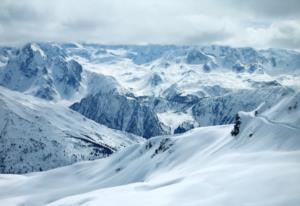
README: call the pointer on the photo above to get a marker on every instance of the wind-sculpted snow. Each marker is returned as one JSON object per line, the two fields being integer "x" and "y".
{"x": 205, "y": 166}
{"x": 37, "y": 136}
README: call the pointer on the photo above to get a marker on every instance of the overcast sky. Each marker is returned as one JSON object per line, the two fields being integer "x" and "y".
{"x": 256, "y": 23}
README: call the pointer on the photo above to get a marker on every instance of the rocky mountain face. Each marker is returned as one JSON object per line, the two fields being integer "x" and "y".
{"x": 222, "y": 109}
{"x": 43, "y": 73}
{"x": 121, "y": 112}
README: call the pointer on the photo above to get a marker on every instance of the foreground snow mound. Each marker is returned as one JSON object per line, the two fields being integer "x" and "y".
{"x": 205, "y": 166}
{"x": 37, "y": 136}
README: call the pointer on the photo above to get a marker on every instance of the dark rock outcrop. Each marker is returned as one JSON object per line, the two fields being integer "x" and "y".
{"x": 121, "y": 112}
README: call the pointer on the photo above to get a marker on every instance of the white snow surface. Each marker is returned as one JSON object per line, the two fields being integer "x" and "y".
{"x": 37, "y": 134}
{"x": 174, "y": 119}
{"x": 188, "y": 78}
{"x": 205, "y": 166}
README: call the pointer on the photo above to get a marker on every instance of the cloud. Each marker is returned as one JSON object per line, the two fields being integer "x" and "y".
{"x": 263, "y": 23}
{"x": 268, "y": 8}
{"x": 10, "y": 12}
{"x": 286, "y": 34}
{"x": 280, "y": 34}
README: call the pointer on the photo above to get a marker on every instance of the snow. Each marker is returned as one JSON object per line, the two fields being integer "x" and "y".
{"x": 36, "y": 48}
{"x": 205, "y": 166}
{"x": 155, "y": 71}
{"x": 282, "y": 111}
{"x": 174, "y": 119}
{"x": 168, "y": 75}
{"x": 169, "y": 62}
{"x": 38, "y": 135}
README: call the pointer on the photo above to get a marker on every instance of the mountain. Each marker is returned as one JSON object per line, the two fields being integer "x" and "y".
{"x": 204, "y": 166}
{"x": 216, "y": 125}
{"x": 271, "y": 61}
{"x": 121, "y": 112}
{"x": 43, "y": 73}
{"x": 151, "y": 90}
{"x": 222, "y": 109}
{"x": 36, "y": 135}
{"x": 202, "y": 85}
{"x": 195, "y": 83}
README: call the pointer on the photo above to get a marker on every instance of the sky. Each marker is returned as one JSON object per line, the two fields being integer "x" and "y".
{"x": 239, "y": 23}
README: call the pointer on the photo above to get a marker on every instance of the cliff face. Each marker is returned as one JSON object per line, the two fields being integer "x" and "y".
{"x": 121, "y": 112}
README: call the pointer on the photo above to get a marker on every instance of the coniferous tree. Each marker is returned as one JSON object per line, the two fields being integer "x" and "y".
{"x": 236, "y": 128}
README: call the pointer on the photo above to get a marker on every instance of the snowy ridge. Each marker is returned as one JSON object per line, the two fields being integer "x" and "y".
{"x": 205, "y": 166}
{"x": 36, "y": 135}
{"x": 222, "y": 109}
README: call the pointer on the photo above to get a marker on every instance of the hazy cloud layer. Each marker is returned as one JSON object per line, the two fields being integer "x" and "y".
{"x": 257, "y": 23}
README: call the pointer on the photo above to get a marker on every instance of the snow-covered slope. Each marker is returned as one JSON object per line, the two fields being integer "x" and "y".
{"x": 284, "y": 110}
{"x": 205, "y": 166}
{"x": 36, "y": 135}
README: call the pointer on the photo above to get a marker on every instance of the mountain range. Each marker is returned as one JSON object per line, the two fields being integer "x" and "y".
{"x": 83, "y": 123}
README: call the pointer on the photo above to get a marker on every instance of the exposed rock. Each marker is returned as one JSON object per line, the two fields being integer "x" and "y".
{"x": 121, "y": 112}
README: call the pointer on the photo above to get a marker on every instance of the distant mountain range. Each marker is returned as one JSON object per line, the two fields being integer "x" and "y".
{"x": 140, "y": 90}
